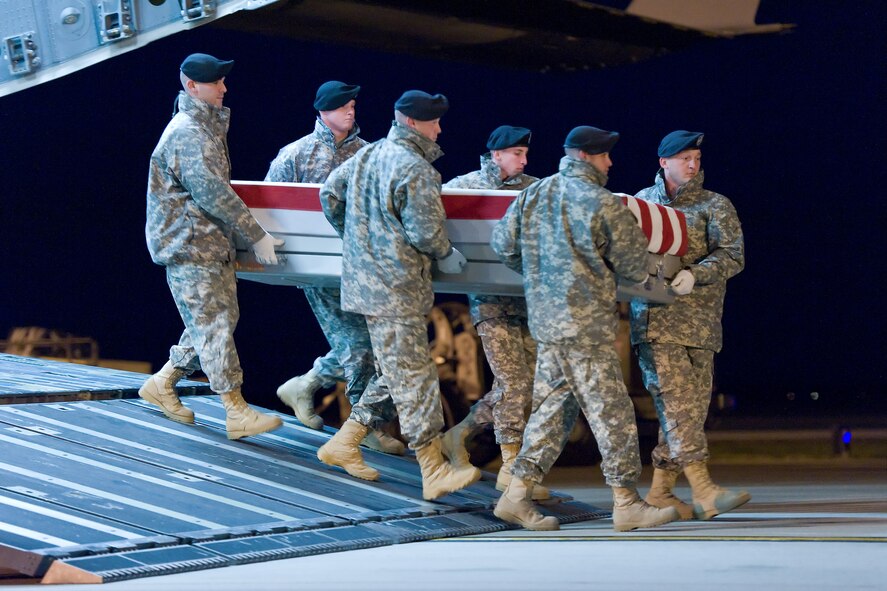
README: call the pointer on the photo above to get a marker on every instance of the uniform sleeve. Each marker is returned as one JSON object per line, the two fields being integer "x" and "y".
{"x": 204, "y": 176}
{"x": 422, "y": 213}
{"x": 726, "y": 248}
{"x": 282, "y": 169}
{"x": 460, "y": 182}
{"x": 506, "y": 237}
{"x": 332, "y": 196}
{"x": 626, "y": 246}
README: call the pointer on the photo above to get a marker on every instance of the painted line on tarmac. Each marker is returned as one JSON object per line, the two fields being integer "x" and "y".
{"x": 831, "y": 515}
{"x": 627, "y": 537}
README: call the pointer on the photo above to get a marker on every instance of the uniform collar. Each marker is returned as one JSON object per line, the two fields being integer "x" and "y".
{"x": 692, "y": 187}
{"x": 407, "y": 136}
{"x": 493, "y": 172}
{"x": 325, "y": 134}
{"x": 572, "y": 167}
{"x": 203, "y": 112}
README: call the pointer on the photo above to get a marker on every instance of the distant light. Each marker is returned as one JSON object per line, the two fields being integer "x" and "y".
{"x": 846, "y": 436}
{"x": 814, "y": 395}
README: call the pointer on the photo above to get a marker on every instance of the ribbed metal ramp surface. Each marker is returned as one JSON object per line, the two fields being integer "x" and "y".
{"x": 99, "y": 491}
{"x": 30, "y": 379}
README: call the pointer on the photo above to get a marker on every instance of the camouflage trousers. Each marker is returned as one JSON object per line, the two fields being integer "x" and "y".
{"x": 206, "y": 296}
{"x": 407, "y": 383}
{"x": 679, "y": 378}
{"x": 511, "y": 353}
{"x": 328, "y": 369}
{"x": 351, "y": 358}
{"x": 567, "y": 381}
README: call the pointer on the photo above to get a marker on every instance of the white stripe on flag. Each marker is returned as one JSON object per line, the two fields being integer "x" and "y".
{"x": 634, "y": 207}
{"x": 676, "y": 231}
{"x": 656, "y": 231}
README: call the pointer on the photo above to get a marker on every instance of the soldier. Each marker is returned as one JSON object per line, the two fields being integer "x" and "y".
{"x": 570, "y": 238}
{"x": 311, "y": 159}
{"x": 676, "y": 343}
{"x": 192, "y": 216}
{"x": 385, "y": 203}
{"x": 501, "y": 322}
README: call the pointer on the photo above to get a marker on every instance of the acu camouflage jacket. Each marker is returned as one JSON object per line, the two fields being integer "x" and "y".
{"x": 192, "y": 211}
{"x": 715, "y": 253}
{"x": 570, "y": 238}
{"x": 385, "y": 204}
{"x": 485, "y": 307}
{"x": 312, "y": 158}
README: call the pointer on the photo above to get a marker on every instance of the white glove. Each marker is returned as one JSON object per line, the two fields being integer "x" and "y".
{"x": 264, "y": 249}
{"x": 452, "y": 263}
{"x": 683, "y": 282}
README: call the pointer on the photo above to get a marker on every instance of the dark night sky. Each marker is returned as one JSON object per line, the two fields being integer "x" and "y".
{"x": 794, "y": 137}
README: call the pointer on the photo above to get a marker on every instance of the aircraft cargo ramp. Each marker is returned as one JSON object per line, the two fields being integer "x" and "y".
{"x": 96, "y": 491}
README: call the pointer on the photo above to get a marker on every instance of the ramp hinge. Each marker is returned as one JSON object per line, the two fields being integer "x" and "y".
{"x": 116, "y": 20}
{"x": 21, "y": 52}
{"x": 193, "y": 10}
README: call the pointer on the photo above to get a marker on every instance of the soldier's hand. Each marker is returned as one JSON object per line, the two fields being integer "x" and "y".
{"x": 683, "y": 282}
{"x": 264, "y": 249}
{"x": 452, "y": 263}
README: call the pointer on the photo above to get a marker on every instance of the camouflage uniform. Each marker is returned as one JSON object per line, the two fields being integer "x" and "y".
{"x": 570, "y": 237}
{"x": 676, "y": 343}
{"x": 311, "y": 159}
{"x": 501, "y": 323}
{"x": 192, "y": 217}
{"x": 385, "y": 203}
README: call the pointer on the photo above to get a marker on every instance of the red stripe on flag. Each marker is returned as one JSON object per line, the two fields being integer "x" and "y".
{"x": 667, "y": 230}
{"x": 646, "y": 219}
{"x": 489, "y": 206}
{"x": 307, "y": 198}
{"x": 278, "y": 197}
{"x": 682, "y": 219}
{"x": 476, "y": 207}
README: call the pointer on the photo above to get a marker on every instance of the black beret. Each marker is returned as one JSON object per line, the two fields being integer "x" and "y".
{"x": 591, "y": 140}
{"x": 201, "y": 67}
{"x": 421, "y": 105}
{"x": 333, "y": 94}
{"x": 678, "y": 141}
{"x": 506, "y": 136}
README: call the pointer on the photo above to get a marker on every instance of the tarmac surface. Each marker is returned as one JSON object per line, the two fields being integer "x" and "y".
{"x": 811, "y": 524}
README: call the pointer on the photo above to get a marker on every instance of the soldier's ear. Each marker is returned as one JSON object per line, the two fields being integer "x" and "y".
{"x": 191, "y": 87}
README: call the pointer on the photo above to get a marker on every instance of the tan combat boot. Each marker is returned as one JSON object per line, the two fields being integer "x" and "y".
{"x": 160, "y": 390}
{"x": 243, "y": 421}
{"x": 630, "y": 512}
{"x": 661, "y": 494}
{"x": 381, "y": 441}
{"x": 454, "y": 440}
{"x": 342, "y": 450}
{"x": 709, "y": 499}
{"x": 515, "y": 506}
{"x": 503, "y": 479}
{"x": 298, "y": 394}
{"x": 440, "y": 477}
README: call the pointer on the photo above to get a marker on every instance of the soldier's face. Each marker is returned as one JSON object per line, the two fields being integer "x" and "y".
{"x": 601, "y": 162}
{"x": 341, "y": 120}
{"x": 682, "y": 167}
{"x": 210, "y": 92}
{"x": 511, "y": 161}
{"x": 430, "y": 129}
